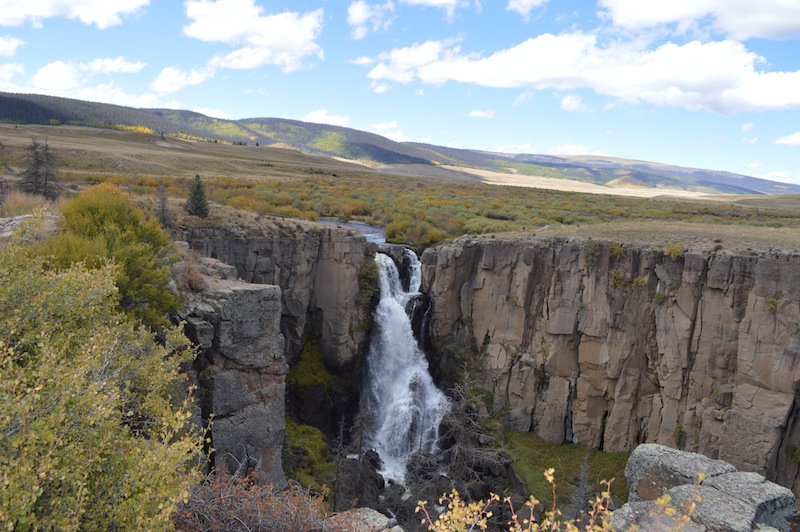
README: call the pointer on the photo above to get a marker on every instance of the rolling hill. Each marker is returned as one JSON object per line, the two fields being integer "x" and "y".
{"x": 374, "y": 150}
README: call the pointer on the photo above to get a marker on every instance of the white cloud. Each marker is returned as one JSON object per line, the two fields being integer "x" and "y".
{"x": 362, "y": 17}
{"x": 390, "y": 130}
{"x": 286, "y": 39}
{"x": 379, "y": 88}
{"x": 782, "y": 176}
{"x": 739, "y": 19}
{"x": 448, "y": 5}
{"x": 524, "y": 7}
{"x": 403, "y": 64}
{"x": 212, "y": 112}
{"x": 719, "y": 76}
{"x": 748, "y": 127}
{"x": 789, "y": 140}
{"x": 750, "y": 140}
{"x": 57, "y": 76}
{"x": 101, "y": 13}
{"x": 115, "y": 65}
{"x": 574, "y": 149}
{"x": 173, "y": 79}
{"x": 522, "y": 98}
{"x": 754, "y": 166}
{"x": 321, "y": 116}
{"x": 9, "y": 45}
{"x": 482, "y": 113}
{"x": 363, "y": 61}
{"x": 9, "y": 73}
{"x": 573, "y": 103}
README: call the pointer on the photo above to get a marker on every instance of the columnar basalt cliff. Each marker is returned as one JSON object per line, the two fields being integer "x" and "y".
{"x": 240, "y": 370}
{"x": 611, "y": 346}
{"x": 319, "y": 270}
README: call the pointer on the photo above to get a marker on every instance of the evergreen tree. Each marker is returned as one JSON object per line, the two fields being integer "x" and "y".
{"x": 197, "y": 204}
{"x": 39, "y": 175}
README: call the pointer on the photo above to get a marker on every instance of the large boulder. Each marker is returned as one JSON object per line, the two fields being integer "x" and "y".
{"x": 724, "y": 499}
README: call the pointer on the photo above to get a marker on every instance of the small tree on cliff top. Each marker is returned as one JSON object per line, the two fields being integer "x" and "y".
{"x": 197, "y": 204}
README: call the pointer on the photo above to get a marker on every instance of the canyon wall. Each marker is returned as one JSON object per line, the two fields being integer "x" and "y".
{"x": 317, "y": 268}
{"x": 240, "y": 369}
{"x": 323, "y": 273}
{"x": 611, "y": 346}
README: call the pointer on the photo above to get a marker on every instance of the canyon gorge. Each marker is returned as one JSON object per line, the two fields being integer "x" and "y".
{"x": 600, "y": 343}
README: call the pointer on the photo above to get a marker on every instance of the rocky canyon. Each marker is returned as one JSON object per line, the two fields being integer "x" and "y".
{"x": 596, "y": 342}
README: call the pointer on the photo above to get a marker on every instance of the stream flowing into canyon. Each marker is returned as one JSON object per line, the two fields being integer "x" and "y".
{"x": 405, "y": 406}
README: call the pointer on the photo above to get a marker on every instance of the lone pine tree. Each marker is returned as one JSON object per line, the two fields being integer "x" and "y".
{"x": 197, "y": 204}
{"x": 39, "y": 174}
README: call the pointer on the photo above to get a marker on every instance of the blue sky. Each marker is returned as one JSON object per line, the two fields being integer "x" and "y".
{"x": 705, "y": 83}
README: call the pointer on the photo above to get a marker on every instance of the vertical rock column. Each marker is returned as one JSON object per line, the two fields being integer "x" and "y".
{"x": 241, "y": 371}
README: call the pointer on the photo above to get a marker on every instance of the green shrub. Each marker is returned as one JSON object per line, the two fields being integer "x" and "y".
{"x": 772, "y": 305}
{"x": 101, "y": 224}
{"x": 91, "y": 438}
{"x": 674, "y": 251}
{"x": 660, "y": 297}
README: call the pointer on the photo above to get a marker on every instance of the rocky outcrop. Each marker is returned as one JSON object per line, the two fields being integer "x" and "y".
{"x": 611, "y": 346}
{"x": 725, "y": 498}
{"x": 317, "y": 268}
{"x": 240, "y": 371}
{"x": 320, "y": 270}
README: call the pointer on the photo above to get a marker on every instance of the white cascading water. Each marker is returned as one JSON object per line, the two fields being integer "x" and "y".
{"x": 406, "y": 406}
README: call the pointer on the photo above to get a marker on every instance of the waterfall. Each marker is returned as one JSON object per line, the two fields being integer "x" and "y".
{"x": 406, "y": 408}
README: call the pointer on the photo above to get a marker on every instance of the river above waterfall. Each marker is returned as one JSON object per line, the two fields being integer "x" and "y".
{"x": 370, "y": 232}
{"x": 405, "y": 406}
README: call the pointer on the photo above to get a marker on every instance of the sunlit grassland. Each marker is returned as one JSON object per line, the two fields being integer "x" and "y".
{"x": 413, "y": 209}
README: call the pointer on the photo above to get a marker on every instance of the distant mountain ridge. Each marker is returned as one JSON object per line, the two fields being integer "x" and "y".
{"x": 372, "y": 149}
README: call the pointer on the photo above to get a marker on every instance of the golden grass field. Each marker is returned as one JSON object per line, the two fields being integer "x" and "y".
{"x": 92, "y": 155}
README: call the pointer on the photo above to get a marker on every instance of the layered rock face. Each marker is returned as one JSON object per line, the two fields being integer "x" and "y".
{"x": 317, "y": 269}
{"x": 611, "y": 346}
{"x": 241, "y": 370}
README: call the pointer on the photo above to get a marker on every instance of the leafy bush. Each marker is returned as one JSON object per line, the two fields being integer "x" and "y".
{"x": 91, "y": 438}
{"x": 100, "y": 224}
{"x": 674, "y": 251}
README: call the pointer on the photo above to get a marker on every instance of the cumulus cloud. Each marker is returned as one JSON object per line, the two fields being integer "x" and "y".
{"x": 748, "y": 127}
{"x": 573, "y": 103}
{"x": 524, "y": 7}
{"x": 789, "y": 140}
{"x": 390, "y": 130}
{"x": 322, "y": 116}
{"x": 212, "y": 112}
{"x": 9, "y": 73}
{"x": 363, "y": 17}
{"x": 285, "y": 39}
{"x": 116, "y": 65}
{"x": 59, "y": 77}
{"x": 449, "y": 6}
{"x": 739, "y": 19}
{"x": 173, "y": 79}
{"x": 100, "y": 13}
{"x": 481, "y": 113}
{"x": 522, "y": 98}
{"x": 9, "y": 45}
{"x": 719, "y": 76}
{"x": 379, "y": 88}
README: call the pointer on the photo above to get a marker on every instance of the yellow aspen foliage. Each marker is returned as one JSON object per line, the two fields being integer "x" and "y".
{"x": 91, "y": 435}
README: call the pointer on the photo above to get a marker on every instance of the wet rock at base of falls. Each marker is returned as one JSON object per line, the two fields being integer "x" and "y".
{"x": 358, "y": 482}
